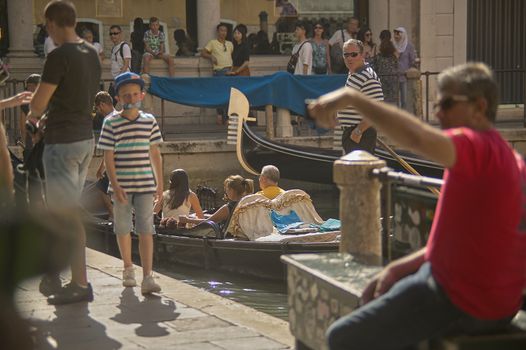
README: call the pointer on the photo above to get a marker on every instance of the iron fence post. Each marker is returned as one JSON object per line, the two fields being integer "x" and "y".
{"x": 427, "y": 96}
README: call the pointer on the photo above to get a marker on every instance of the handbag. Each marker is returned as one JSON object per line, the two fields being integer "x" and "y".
{"x": 291, "y": 66}
{"x": 336, "y": 56}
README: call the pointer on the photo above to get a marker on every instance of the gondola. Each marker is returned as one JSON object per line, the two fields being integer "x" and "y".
{"x": 300, "y": 163}
{"x": 249, "y": 258}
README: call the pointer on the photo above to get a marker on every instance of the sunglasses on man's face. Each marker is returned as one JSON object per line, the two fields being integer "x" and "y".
{"x": 350, "y": 54}
{"x": 448, "y": 102}
{"x": 318, "y": 27}
{"x": 115, "y": 33}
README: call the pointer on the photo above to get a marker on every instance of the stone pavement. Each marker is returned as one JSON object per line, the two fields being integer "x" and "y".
{"x": 180, "y": 317}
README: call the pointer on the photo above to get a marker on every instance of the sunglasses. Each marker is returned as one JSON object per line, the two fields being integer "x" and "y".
{"x": 368, "y": 34}
{"x": 448, "y": 102}
{"x": 318, "y": 27}
{"x": 350, "y": 54}
{"x": 115, "y": 33}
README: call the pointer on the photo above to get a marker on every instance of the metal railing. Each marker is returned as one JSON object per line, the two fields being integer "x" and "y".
{"x": 517, "y": 81}
{"x": 388, "y": 177}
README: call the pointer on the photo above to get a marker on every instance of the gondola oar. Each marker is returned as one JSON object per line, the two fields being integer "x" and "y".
{"x": 405, "y": 164}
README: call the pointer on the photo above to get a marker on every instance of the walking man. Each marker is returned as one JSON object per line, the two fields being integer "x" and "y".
{"x": 472, "y": 272}
{"x": 356, "y": 132}
{"x": 67, "y": 89}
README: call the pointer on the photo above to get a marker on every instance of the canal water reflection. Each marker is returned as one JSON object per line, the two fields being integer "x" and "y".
{"x": 266, "y": 296}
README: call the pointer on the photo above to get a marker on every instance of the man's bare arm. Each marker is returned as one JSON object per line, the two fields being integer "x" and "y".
{"x": 400, "y": 126}
{"x": 41, "y": 99}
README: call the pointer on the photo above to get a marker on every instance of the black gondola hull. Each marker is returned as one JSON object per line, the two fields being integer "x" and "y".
{"x": 312, "y": 164}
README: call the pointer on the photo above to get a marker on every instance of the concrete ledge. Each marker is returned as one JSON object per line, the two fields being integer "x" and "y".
{"x": 212, "y": 304}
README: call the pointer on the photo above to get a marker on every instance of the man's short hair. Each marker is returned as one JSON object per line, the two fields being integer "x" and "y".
{"x": 32, "y": 79}
{"x": 221, "y": 25}
{"x": 354, "y": 19}
{"x": 301, "y": 24}
{"x": 270, "y": 172}
{"x": 354, "y": 42}
{"x": 103, "y": 97}
{"x": 153, "y": 19}
{"x": 116, "y": 26}
{"x": 61, "y": 12}
{"x": 474, "y": 80}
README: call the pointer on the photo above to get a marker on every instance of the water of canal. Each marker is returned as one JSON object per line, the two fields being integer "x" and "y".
{"x": 266, "y": 296}
{"x": 269, "y": 297}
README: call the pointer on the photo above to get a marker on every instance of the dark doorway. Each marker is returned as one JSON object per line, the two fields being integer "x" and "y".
{"x": 4, "y": 31}
{"x": 497, "y": 36}
{"x": 191, "y": 19}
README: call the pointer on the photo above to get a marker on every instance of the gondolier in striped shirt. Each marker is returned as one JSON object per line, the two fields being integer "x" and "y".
{"x": 355, "y": 132}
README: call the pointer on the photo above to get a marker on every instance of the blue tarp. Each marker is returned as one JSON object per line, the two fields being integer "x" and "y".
{"x": 280, "y": 89}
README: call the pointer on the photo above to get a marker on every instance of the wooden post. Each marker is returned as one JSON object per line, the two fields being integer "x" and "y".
{"x": 284, "y": 128}
{"x": 359, "y": 206}
{"x": 414, "y": 92}
{"x": 270, "y": 121}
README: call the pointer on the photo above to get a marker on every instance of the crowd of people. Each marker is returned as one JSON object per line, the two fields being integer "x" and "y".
{"x": 317, "y": 51}
{"x": 471, "y": 274}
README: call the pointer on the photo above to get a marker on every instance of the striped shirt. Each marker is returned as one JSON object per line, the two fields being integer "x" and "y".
{"x": 131, "y": 141}
{"x": 366, "y": 81}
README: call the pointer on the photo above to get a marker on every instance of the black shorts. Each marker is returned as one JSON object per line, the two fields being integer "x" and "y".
{"x": 367, "y": 142}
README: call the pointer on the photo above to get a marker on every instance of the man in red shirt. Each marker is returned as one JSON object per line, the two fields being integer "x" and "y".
{"x": 470, "y": 276}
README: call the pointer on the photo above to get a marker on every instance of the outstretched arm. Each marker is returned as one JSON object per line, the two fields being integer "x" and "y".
{"x": 22, "y": 98}
{"x": 400, "y": 126}
{"x": 220, "y": 215}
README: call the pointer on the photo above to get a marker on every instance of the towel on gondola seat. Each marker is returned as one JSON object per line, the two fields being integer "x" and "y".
{"x": 251, "y": 218}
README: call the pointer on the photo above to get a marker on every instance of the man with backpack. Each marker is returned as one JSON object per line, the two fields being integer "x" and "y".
{"x": 301, "y": 52}
{"x": 120, "y": 56}
{"x": 336, "y": 43}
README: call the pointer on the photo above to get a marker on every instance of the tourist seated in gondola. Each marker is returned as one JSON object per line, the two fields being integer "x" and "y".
{"x": 236, "y": 187}
{"x": 268, "y": 182}
{"x": 178, "y": 200}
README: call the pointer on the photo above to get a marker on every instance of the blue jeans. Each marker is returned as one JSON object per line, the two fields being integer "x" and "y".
{"x": 66, "y": 167}
{"x": 139, "y": 203}
{"x": 222, "y": 73}
{"x": 415, "y": 309}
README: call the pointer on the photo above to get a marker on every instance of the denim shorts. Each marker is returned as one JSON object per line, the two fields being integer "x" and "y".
{"x": 66, "y": 167}
{"x": 138, "y": 203}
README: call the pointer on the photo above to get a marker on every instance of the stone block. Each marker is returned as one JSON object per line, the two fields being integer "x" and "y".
{"x": 444, "y": 6}
{"x": 444, "y": 46}
{"x": 444, "y": 24}
{"x": 253, "y": 343}
{"x": 321, "y": 289}
{"x": 443, "y": 63}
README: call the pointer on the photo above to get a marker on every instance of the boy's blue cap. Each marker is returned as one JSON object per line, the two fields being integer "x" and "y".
{"x": 127, "y": 78}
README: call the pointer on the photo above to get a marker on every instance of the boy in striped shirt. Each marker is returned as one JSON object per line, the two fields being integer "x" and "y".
{"x": 355, "y": 132}
{"x": 133, "y": 161}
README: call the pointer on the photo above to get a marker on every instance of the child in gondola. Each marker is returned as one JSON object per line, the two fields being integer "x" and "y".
{"x": 178, "y": 200}
{"x": 236, "y": 187}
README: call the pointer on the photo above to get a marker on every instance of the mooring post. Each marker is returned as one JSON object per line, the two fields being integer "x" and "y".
{"x": 269, "y": 114}
{"x": 359, "y": 206}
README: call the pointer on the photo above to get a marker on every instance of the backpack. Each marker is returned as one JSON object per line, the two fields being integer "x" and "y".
{"x": 121, "y": 50}
{"x": 336, "y": 55}
{"x": 291, "y": 66}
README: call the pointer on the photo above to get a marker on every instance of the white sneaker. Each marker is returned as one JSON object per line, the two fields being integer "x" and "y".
{"x": 128, "y": 277}
{"x": 149, "y": 286}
